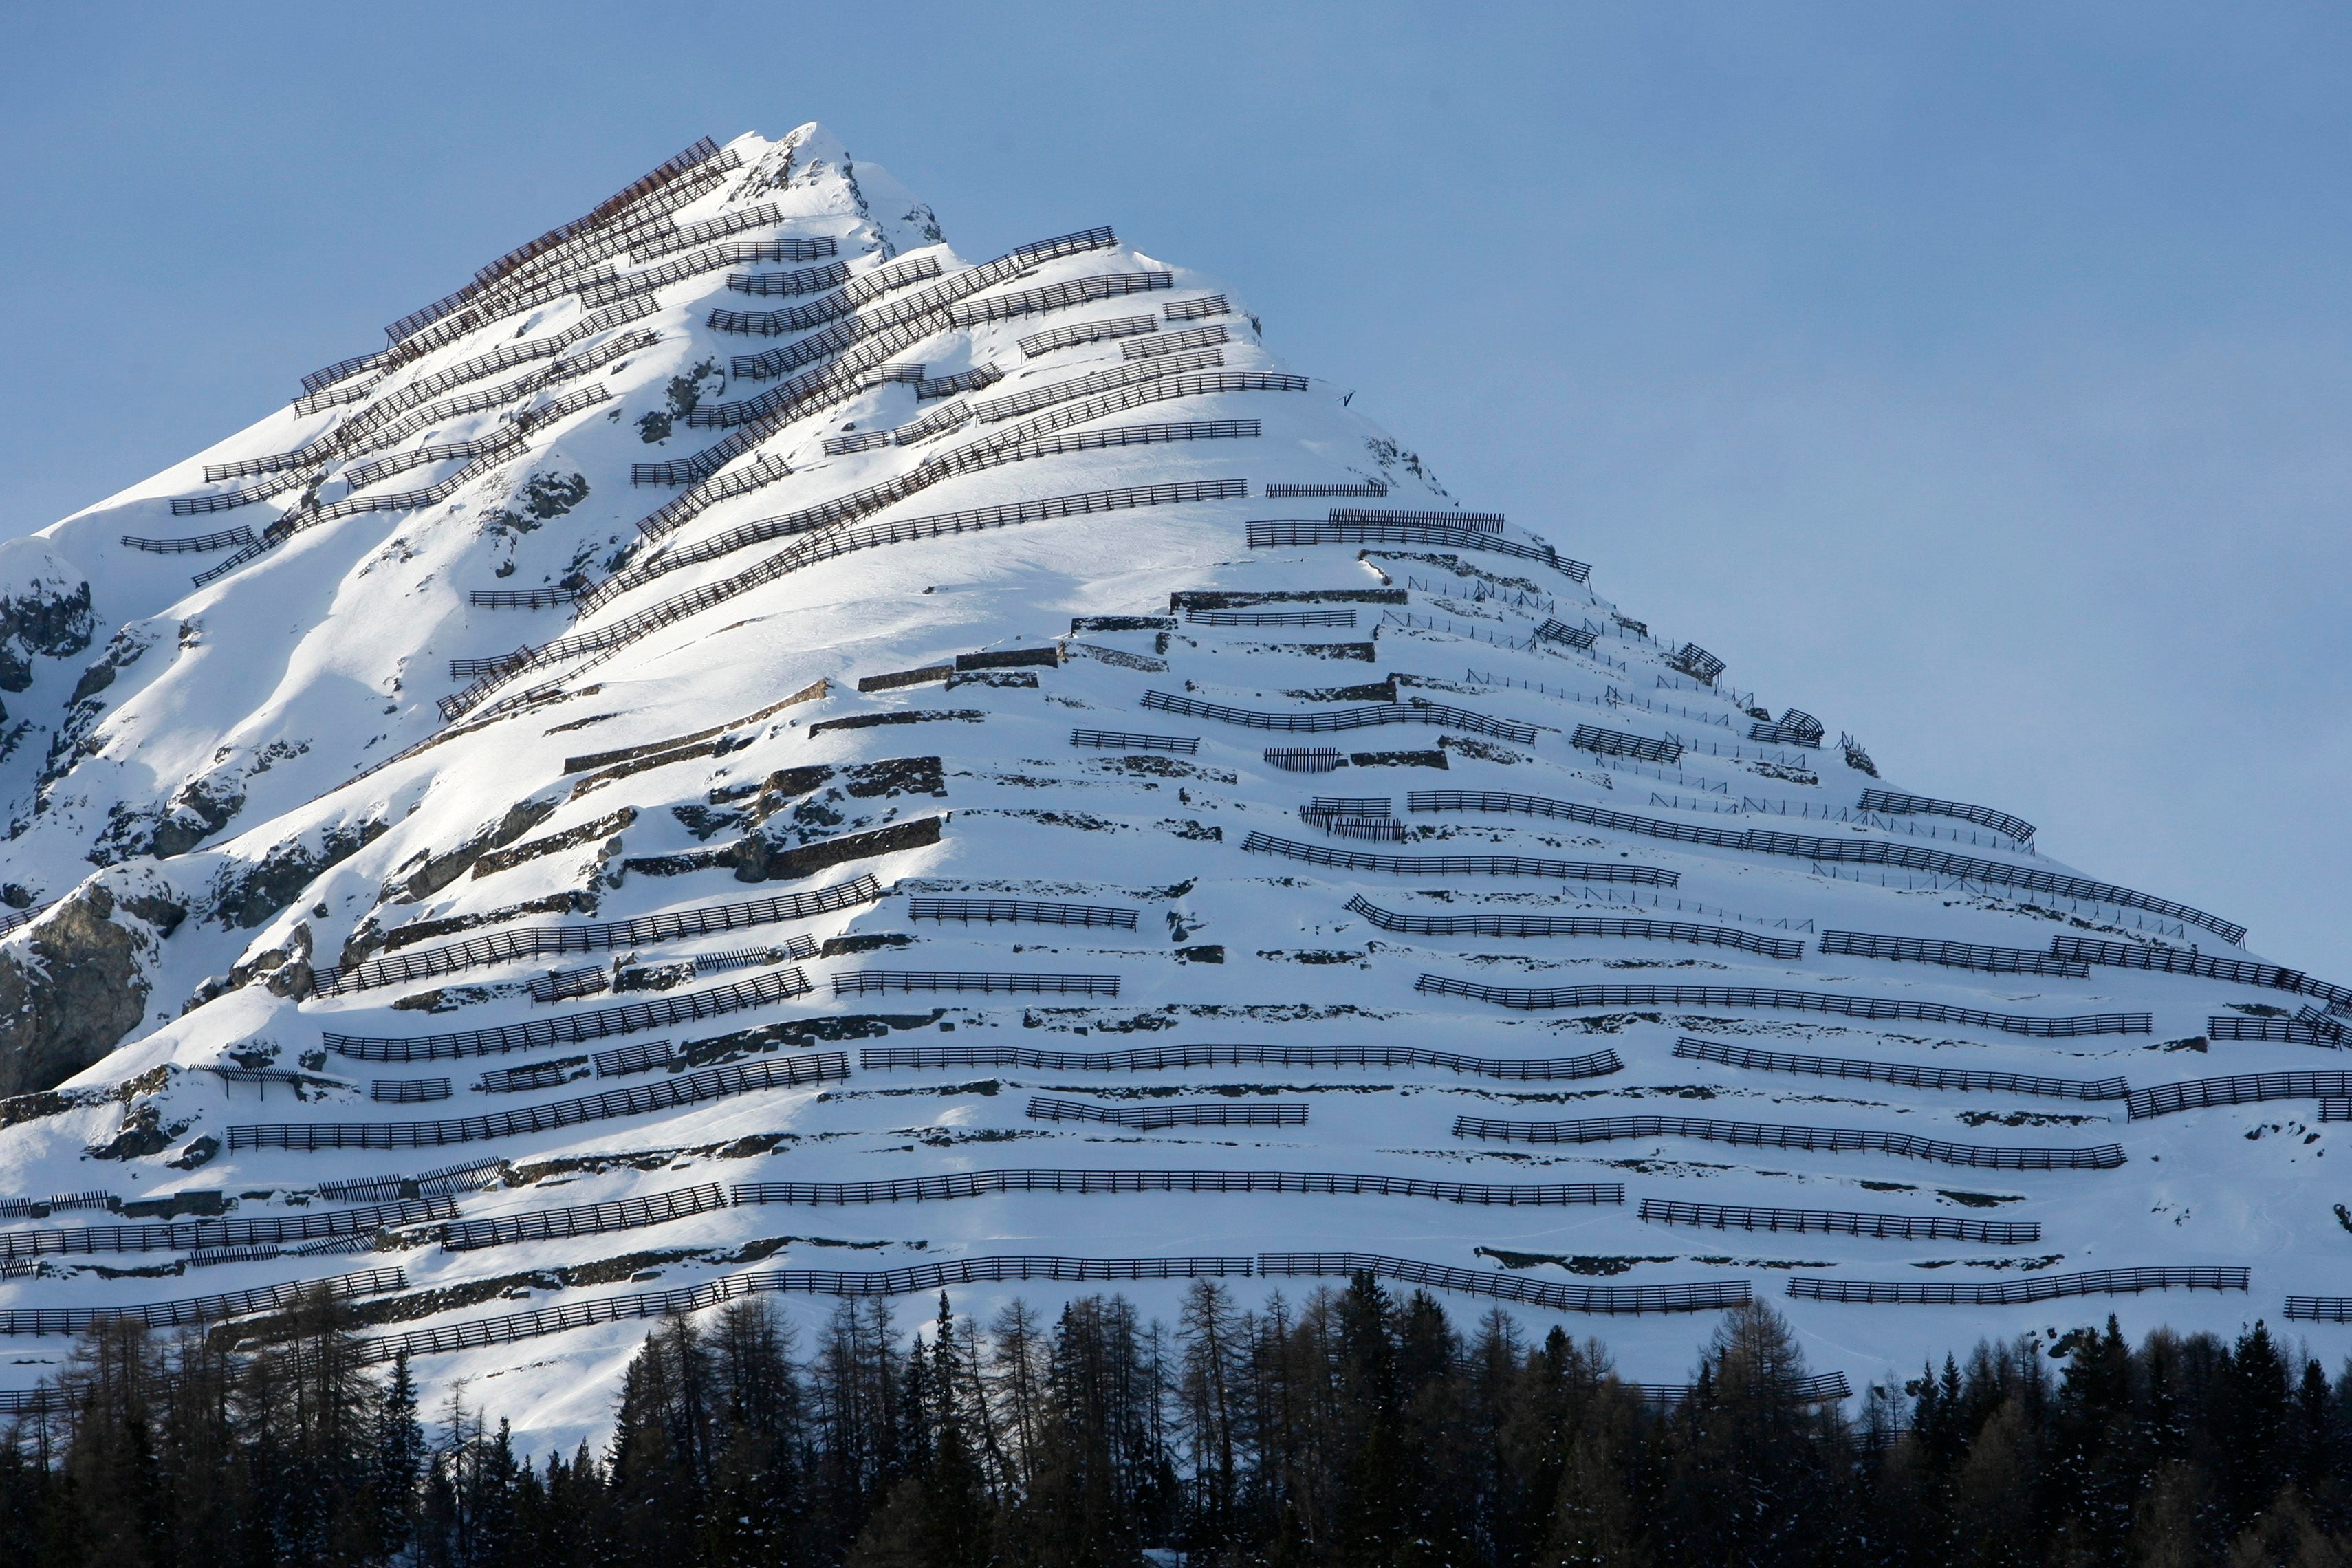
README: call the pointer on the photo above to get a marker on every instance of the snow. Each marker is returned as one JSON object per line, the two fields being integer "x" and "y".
{"x": 301, "y": 670}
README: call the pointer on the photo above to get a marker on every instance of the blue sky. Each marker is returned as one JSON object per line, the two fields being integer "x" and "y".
{"x": 1975, "y": 379}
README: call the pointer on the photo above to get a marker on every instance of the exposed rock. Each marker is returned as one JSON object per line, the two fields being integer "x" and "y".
{"x": 438, "y": 871}
{"x": 47, "y": 616}
{"x": 249, "y": 894}
{"x": 78, "y": 982}
{"x": 123, "y": 649}
{"x": 199, "y": 1151}
{"x": 143, "y": 1133}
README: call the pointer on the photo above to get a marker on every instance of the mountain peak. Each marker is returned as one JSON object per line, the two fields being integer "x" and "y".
{"x": 738, "y": 700}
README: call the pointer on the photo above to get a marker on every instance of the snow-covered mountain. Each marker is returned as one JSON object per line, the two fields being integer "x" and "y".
{"x": 740, "y": 720}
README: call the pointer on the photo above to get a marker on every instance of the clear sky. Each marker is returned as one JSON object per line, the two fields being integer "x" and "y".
{"x": 1973, "y": 377}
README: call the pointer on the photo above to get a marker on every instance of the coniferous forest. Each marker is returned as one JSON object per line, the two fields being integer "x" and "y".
{"x": 1347, "y": 1427}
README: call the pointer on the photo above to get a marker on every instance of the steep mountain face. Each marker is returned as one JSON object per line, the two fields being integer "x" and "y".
{"x": 740, "y": 709}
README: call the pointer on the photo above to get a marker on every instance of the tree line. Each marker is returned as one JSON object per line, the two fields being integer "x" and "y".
{"x": 1346, "y": 1427}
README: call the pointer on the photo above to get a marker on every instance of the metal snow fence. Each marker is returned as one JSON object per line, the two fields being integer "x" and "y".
{"x": 1458, "y": 865}
{"x": 1697, "y": 663}
{"x": 1842, "y": 1222}
{"x": 360, "y": 475}
{"x": 694, "y": 234}
{"x": 1279, "y": 531}
{"x": 1020, "y": 911}
{"x": 318, "y": 450}
{"x": 408, "y": 1091}
{"x": 1821, "y": 1388}
{"x": 1794, "y": 728}
{"x": 1610, "y": 1298}
{"x": 1775, "y": 1136}
{"x": 830, "y": 308}
{"x": 584, "y": 1219}
{"x": 643, "y": 1057}
{"x": 1499, "y": 924}
{"x": 1617, "y": 743}
{"x": 2243, "y": 1088}
{"x": 834, "y": 446}
{"x": 203, "y": 544}
{"x": 341, "y": 370}
{"x": 1193, "y": 310}
{"x": 1174, "y": 342}
{"x": 2176, "y": 961}
{"x": 857, "y": 982}
{"x": 1539, "y": 1069}
{"x": 822, "y": 545}
{"x": 578, "y": 1026}
{"x": 199, "y": 1310}
{"x": 901, "y": 323}
{"x": 33, "y": 1208}
{"x": 539, "y": 1075}
{"x": 1855, "y": 850}
{"x": 1560, "y": 631}
{"x": 1085, "y": 332}
{"x": 2320, "y": 1309}
{"x": 255, "y": 1252}
{"x": 1370, "y": 487}
{"x": 1056, "y": 296}
{"x": 1302, "y": 759}
{"x": 636, "y": 1101}
{"x": 1895, "y": 803}
{"x": 196, "y": 506}
{"x": 183, "y": 1235}
{"x": 981, "y": 1184}
{"x": 972, "y": 380}
{"x": 1369, "y": 715}
{"x": 1270, "y": 617}
{"x": 568, "y": 984}
{"x": 538, "y": 942}
{"x": 2286, "y": 1031}
{"x": 1952, "y": 954}
{"x": 1015, "y": 404}
{"x": 1966, "y": 1079}
{"x": 2013, "y": 1292}
{"x": 1546, "y": 999}
{"x": 665, "y": 187}
{"x": 801, "y": 280}
{"x": 1123, "y": 740}
{"x": 470, "y": 1177}
{"x": 1045, "y": 1108}
{"x": 1026, "y": 450}
{"x": 520, "y": 598}
{"x": 1370, "y": 830}
{"x": 922, "y": 1277}
{"x": 1478, "y": 521}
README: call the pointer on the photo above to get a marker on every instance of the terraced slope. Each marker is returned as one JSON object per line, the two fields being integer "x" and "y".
{"x": 746, "y": 752}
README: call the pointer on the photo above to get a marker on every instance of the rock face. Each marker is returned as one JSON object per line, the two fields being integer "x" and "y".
{"x": 46, "y": 615}
{"x": 77, "y": 983}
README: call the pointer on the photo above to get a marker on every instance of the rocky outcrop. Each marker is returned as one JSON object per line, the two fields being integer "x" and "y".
{"x": 250, "y": 892}
{"x": 45, "y": 610}
{"x": 76, "y": 984}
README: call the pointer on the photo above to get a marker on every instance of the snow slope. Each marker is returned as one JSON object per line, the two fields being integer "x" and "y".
{"x": 239, "y": 806}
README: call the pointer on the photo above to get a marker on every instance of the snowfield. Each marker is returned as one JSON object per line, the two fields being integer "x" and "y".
{"x": 678, "y": 918}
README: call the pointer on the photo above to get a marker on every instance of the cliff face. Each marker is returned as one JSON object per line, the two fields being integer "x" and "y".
{"x": 77, "y": 982}
{"x": 742, "y": 700}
